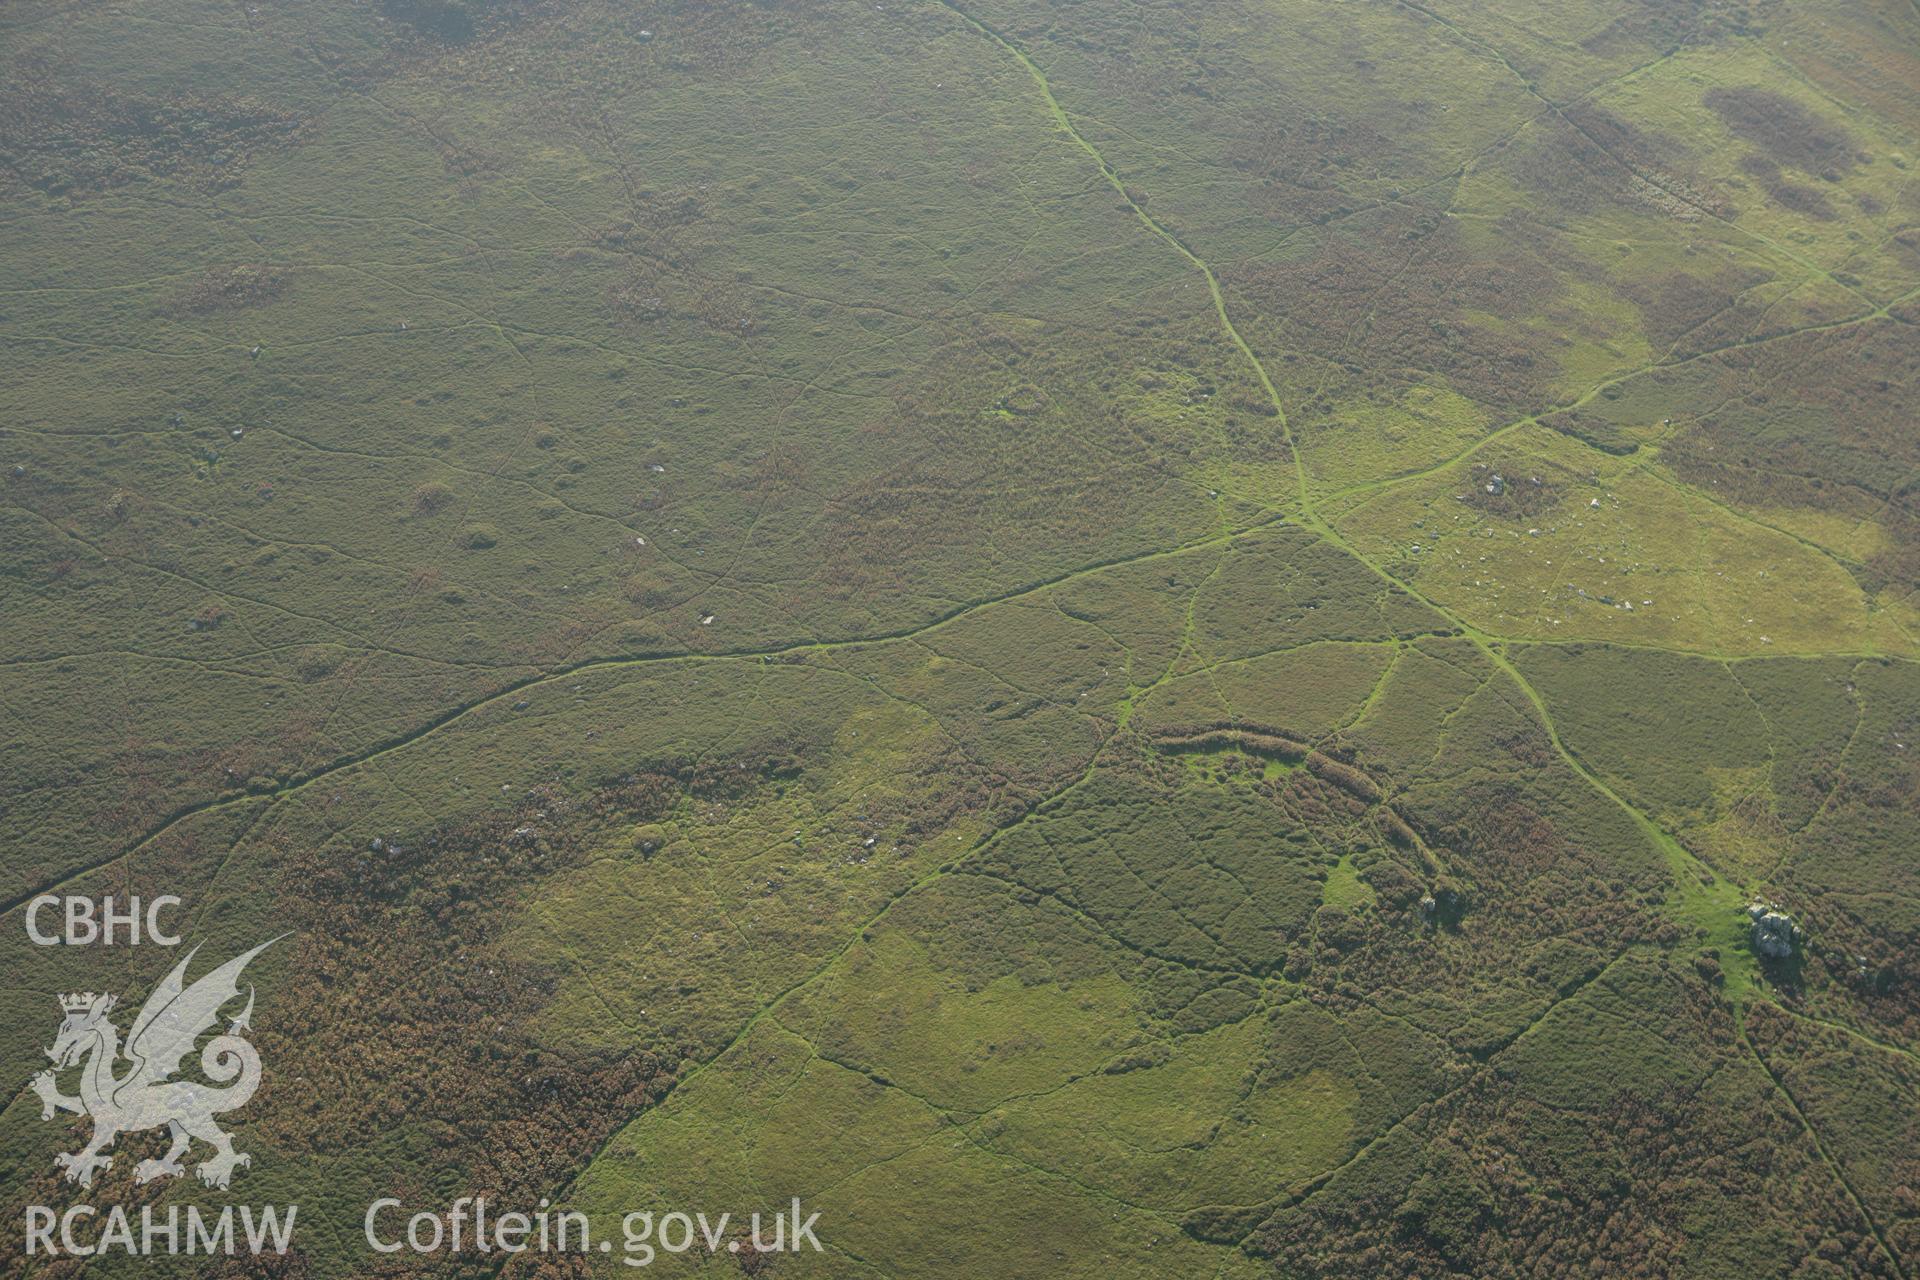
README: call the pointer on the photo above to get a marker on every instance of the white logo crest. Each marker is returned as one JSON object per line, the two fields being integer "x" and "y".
{"x": 173, "y": 1018}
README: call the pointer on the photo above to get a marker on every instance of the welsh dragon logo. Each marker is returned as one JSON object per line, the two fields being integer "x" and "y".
{"x": 145, "y": 1097}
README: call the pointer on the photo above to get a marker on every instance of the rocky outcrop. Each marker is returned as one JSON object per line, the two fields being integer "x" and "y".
{"x": 1774, "y": 932}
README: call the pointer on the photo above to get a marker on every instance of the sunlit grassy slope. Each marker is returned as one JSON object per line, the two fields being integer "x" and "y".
{"x": 1105, "y": 640}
